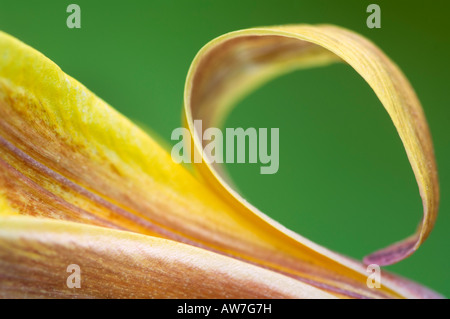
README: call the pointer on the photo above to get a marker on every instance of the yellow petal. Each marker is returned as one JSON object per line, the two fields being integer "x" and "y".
{"x": 234, "y": 64}
{"x": 35, "y": 255}
{"x": 66, "y": 154}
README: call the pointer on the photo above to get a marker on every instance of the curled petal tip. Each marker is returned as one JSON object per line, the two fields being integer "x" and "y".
{"x": 392, "y": 254}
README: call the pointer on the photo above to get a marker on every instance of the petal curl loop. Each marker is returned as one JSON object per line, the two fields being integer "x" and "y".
{"x": 234, "y": 64}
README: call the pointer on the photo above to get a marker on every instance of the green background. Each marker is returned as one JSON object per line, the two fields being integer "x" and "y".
{"x": 344, "y": 179}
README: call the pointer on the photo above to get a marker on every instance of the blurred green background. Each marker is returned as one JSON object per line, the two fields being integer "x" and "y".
{"x": 344, "y": 179}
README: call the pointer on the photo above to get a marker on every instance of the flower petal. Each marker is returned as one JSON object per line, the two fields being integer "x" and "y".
{"x": 66, "y": 154}
{"x": 232, "y": 65}
{"x": 35, "y": 254}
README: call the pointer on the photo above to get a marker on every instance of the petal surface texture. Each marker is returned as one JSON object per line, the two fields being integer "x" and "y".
{"x": 66, "y": 154}
{"x": 119, "y": 264}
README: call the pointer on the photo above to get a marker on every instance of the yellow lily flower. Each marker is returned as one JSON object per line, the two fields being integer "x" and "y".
{"x": 80, "y": 184}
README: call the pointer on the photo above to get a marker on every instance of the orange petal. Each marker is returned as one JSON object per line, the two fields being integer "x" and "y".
{"x": 35, "y": 255}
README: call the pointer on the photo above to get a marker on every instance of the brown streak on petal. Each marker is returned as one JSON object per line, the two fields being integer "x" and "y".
{"x": 117, "y": 264}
